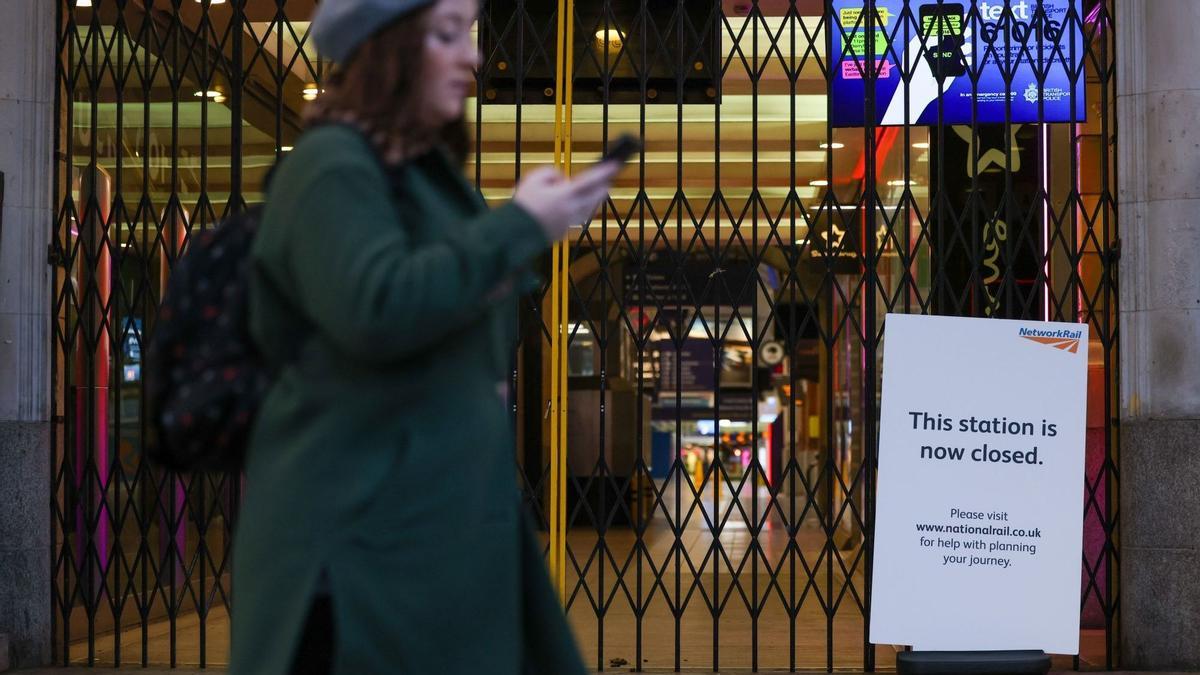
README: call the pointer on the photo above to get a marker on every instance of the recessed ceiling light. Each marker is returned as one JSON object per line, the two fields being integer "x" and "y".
{"x": 921, "y": 145}
{"x": 835, "y": 145}
{"x": 83, "y": 3}
{"x": 818, "y": 183}
{"x": 285, "y": 148}
{"x": 609, "y": 35}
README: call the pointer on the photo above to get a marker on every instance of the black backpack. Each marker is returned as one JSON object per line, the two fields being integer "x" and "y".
{"x": 204, "y": 376}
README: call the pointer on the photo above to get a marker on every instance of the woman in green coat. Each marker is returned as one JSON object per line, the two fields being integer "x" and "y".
{"x": 381, "y": 528}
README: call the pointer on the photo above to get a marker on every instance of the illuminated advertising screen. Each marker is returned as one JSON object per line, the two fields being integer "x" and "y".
{"x": 964, "y": 62}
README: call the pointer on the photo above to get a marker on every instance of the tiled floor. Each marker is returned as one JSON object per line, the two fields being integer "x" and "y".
{"x": 688, "y": 580}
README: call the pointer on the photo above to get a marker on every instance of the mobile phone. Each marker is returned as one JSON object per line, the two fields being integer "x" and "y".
{"x": 942, "y": 28}
{"x": 622, "y": 149}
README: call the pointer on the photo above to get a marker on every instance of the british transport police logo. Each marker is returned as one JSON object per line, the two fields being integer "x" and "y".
{"x": 1031, "y": 93}
{"x": 1065, "y": 340}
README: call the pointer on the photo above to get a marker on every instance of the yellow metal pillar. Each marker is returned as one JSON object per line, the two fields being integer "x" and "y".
{"x": 560, "y": 286}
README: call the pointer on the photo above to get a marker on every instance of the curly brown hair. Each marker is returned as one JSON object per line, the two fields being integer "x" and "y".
{"x": 375, "y": 91}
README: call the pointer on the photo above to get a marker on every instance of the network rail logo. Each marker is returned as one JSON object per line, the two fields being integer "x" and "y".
{"x": 1064, "y": 340}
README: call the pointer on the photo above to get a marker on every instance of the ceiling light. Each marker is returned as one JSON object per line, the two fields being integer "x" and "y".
{"x": 610, "y": 37}
{"x": 835, "y": 145}
{"x": 311, "y": 92}
{"x": 211, "y": 93}
{"x": 285, "y": 148}
{"x": 818, "y": 183}
{"x": 83, "y": 3}
{"x": 213, "y": 2}
{"x": 921, "y": 145}
{"x": 901, "y": 183}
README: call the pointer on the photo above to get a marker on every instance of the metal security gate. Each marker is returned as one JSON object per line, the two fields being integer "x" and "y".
{"x": 696, "y": 388}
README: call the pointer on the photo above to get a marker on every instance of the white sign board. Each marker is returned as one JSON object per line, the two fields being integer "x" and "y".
{"x": 979, "y": 525}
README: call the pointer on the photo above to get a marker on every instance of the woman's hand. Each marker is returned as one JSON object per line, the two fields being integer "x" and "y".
{"x": 558, "y": 202}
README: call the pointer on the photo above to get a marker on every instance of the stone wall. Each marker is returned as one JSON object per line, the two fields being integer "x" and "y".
{"x": 26, "y": 160}
{"x": 1159, "y": 196}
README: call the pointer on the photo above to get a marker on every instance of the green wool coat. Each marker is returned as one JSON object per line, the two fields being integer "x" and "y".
{"x": 383, "y": 452}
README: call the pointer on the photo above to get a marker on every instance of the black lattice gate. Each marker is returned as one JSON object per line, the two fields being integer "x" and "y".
{"x": 696, "y": 389}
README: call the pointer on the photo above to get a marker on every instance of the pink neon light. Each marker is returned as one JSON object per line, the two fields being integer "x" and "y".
{"x": 1046, "y": 222}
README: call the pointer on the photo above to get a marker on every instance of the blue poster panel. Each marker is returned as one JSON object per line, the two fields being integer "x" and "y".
{"x": 968, "y": 62}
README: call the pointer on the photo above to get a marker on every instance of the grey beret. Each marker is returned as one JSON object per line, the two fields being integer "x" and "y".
{"x": 339, "y": 27}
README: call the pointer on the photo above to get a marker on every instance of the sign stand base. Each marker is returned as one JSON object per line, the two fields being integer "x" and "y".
{"x": 1021, "y": 662}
